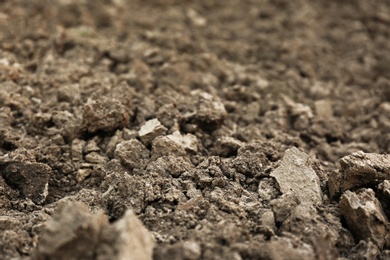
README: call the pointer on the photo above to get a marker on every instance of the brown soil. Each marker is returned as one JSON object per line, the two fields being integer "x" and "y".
{"x": 182, "y": 110}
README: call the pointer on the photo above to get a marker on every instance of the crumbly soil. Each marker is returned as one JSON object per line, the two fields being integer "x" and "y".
{"x": 181, "y": 111}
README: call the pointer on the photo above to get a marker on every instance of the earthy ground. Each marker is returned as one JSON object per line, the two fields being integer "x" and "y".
{"x": 174, "y": 129}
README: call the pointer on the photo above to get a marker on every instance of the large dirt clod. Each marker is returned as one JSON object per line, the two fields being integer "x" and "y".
{"x": 31, "y": 179}
{"x": 75, "y": 233}
{"x": 359, "y": 170}
{"x": 365, "y": 217}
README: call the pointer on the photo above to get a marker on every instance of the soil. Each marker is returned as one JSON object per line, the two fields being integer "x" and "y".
{"x": 218, "y": 125}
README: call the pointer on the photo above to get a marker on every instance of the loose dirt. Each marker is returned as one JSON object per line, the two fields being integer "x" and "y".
{"x": 173, "y": 129}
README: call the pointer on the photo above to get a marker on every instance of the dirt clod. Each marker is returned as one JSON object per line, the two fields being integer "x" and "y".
{"x": 104, "y": 115}
{"x": 30, "y": 179}
{"x": 365, "y": 217}
{"x": 74, "y": 232}
{"x": 359, "y": 170}
{"x": 132, "y": 153}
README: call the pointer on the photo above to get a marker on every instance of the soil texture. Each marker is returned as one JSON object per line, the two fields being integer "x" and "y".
{"x": 183, "y": 129}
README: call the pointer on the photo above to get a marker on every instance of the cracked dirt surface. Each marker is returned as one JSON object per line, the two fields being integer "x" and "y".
{"x": 173, "y": 129}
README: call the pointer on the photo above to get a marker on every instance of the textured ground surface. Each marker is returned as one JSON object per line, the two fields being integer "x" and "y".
{"x": 219, "y": 124}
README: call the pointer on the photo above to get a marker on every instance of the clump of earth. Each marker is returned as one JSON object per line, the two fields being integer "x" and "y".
{"x": 172, "y": 129}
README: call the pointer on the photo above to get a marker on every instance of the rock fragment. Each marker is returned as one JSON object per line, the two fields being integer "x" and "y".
{"x": 150, "y": 130}
{"x": 359, "y": 170}
{"x": 105, "y": 115}
{"x": 296, "y": 177}
{"x": 30, "y": 179}
{"x": 365, "y": 217}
